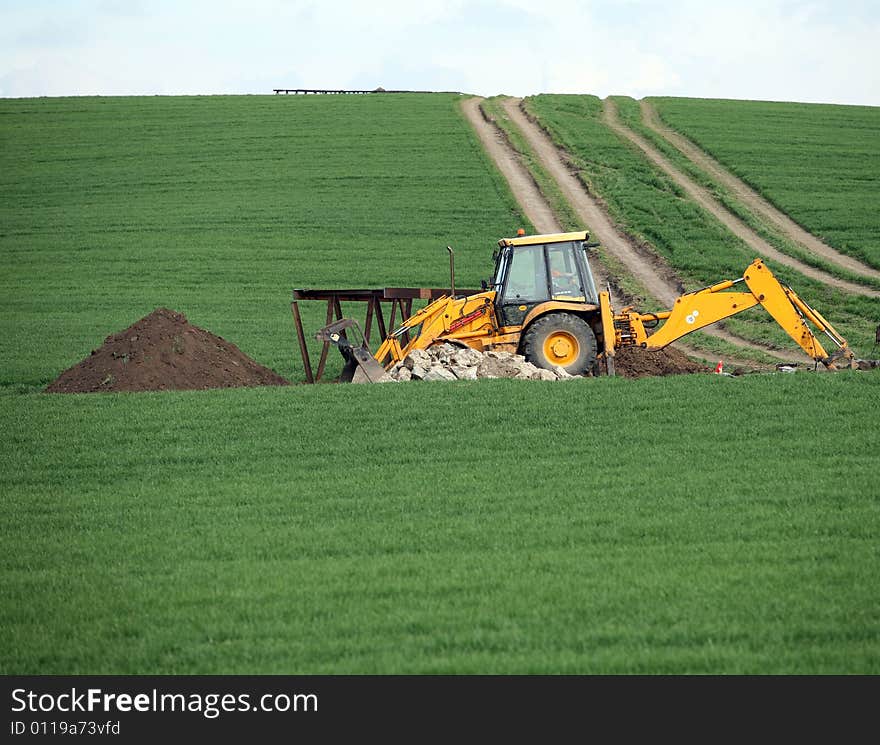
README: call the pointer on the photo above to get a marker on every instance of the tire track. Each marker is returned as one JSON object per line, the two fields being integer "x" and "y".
{"x": 751, "y": 198}
{"x": 736, "y": 226}
{"x": 665, "y": 290}
{"x": 649, "y": 270}
{"x": 521, "y": 183}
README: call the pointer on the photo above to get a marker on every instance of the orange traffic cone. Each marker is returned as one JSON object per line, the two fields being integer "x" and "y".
{"x": 719, "y": 368}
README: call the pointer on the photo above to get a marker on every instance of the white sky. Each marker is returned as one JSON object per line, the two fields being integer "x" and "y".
{"x": 791, "y": 50}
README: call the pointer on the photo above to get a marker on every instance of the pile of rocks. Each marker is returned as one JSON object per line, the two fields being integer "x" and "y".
{"x": 449, "y": 362}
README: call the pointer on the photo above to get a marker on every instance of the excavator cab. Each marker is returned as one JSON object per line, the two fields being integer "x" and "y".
{"x": 535, "y": 269}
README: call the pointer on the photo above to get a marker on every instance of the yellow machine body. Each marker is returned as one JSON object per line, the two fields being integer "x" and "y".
{"x": 566, "y": 322}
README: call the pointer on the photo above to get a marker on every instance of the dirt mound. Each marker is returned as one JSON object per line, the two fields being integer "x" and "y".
{"x": 634, "y": 362}
{"x": 163, "y": 351}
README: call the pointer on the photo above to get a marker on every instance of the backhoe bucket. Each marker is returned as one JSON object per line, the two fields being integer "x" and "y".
{"x": 360, "y": 365}
{"x": 841, "y": 359}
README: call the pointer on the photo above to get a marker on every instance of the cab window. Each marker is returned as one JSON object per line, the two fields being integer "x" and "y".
{"x": 527, "y": 276}
{"x": 564, "y": 274}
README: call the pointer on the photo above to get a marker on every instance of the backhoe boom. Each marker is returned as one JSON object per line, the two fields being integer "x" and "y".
{"x": 696, "y": 310}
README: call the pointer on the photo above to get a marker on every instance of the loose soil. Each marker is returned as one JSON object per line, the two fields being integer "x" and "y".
{"x": 163, "y": 351}
{"x": 634, "y": 362}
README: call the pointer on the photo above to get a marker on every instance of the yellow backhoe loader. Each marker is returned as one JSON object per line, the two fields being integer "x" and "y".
{"x": 543, "y": 303}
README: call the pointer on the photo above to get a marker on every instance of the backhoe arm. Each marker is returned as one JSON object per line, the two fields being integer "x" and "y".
{"x": 463, "y": 319}
{"x": 792, "y": 314}
{"x": 696, "y": 310}
{"x": 391, "y": 350}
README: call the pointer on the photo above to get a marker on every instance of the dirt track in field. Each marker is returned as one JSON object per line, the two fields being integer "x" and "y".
{"x": 664, "y": 288}
{"x": 520, "y": 180}
{"x": 750, "y": 197}
{"x": 702, "y": 197}
{"x": 649, "y": 269}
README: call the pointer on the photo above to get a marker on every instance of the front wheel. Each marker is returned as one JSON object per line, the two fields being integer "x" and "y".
{"x": 561, "y": 340}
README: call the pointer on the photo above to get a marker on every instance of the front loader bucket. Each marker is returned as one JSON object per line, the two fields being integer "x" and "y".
{"x": 360, "y": 365}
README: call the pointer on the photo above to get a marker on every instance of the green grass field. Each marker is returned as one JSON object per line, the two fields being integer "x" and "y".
{"x": 218, "y": 206}
{"x": 630, "y": 113}
{"x": 694, "y": 524}
{"x": 679, "y": 525}
{"x": 819, "y": 163}
{"x": 701, "y": 250}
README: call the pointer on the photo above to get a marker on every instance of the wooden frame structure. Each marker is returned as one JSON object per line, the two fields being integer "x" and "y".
{"x": 400, "y": 298}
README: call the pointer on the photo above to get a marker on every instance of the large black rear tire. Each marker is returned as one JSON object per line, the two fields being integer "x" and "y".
{"x": 561, "y": 340}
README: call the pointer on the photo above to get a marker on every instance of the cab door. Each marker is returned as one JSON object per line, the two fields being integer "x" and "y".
{"x": 566, "y": 273}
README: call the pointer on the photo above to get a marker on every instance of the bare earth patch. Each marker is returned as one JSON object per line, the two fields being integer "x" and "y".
{"x": 634, "y": 362}
{"x": 163, "y": 351}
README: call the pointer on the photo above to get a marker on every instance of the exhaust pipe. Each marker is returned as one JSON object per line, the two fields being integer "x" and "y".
{"x": 451, "y": 271}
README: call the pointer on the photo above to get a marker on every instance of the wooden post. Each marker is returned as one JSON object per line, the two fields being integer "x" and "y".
{"x": 406, "y": 310}
{"x": 368, "y": 323}
{"x": 393, "y": 314}
{"x": 380, "y": 319}
{"x": 326, "y": 347}
{"x": 300, "y": 336}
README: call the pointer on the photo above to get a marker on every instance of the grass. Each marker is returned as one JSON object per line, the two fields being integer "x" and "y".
{"x": 655, "y": 210}
{"x": 352, "y": 529}
{"x": 817, "y": 162}
{"x": 547, "y": 186}
{"x": 630, "y": 113}
{"x": 219, "y": 206}
{"x": 699, "y": 524}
